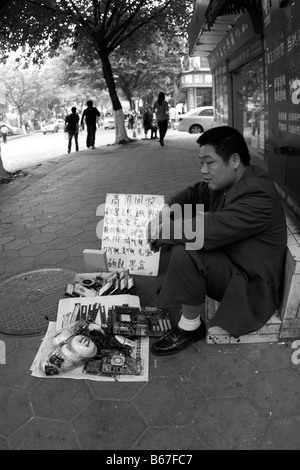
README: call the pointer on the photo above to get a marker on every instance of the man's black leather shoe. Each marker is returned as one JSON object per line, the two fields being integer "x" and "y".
{"x": 177, "y": 339}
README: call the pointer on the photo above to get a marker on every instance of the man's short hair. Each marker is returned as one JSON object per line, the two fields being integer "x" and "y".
{"x": 73, "y": 109}
{"x": 89, "y": 103}
{"x": 226, "y": 141}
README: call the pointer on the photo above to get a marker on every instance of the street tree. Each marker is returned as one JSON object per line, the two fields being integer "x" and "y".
{"x": 41, "y": 27}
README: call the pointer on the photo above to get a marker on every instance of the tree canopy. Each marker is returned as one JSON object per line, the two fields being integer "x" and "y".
{"x": 40, "y": 27}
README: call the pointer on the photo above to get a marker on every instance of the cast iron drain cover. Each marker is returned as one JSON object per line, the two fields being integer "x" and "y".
{"x": 26, "y": 299}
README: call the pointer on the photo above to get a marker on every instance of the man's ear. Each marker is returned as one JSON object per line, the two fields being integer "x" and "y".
{"x": 236, "y": 160}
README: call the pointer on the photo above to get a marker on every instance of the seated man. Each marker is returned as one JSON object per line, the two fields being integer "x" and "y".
{"x": 237, "y": 255}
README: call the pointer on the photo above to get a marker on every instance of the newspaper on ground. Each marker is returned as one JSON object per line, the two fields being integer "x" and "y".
{"x": 66, "y": 309}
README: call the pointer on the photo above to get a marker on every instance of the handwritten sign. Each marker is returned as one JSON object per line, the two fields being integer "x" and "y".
{"x": 124, "y": 235}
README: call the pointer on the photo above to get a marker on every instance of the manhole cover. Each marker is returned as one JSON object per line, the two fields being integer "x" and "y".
{"x": 27, "y": 299}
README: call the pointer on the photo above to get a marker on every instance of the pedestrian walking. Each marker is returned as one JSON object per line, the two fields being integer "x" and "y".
{"x": 72, "y": 128}
{"x": 4, "y": 132}
{"x": 90, "y": 118}
{"x": 148, "y": 123}
{"x": 173, "y": 116}
{"x": 161, "y": 109}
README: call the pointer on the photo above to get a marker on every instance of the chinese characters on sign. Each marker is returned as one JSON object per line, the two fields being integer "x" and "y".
{"x": 124, "y": 236}
{"x": 196, "y": 79}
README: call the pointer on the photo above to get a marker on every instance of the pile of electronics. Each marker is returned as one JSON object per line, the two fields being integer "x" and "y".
{"x": 105, "y": 283}
{"x": 104, "y": 345}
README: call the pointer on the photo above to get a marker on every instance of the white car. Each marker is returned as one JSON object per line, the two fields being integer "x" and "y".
{"x": 50, "y": 126}
{"x": 197, "y": 120}
{"x": 109, "y": 122}
{"x": 12, "y": 130}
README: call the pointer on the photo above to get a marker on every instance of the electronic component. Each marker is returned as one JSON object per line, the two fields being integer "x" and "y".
{"x": 113, "y": 362}
{"x": 159, "y": 321}
{"x": 127, "y": 321}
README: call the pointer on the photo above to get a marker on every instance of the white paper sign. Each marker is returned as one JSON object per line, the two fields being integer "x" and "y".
{"x": 125, "y": 232}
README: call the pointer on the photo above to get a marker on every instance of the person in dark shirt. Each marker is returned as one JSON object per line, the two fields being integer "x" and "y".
{"x": 90, "y": 115}
{"x": 72, "y": 123}
{"x": 227, "y": 234}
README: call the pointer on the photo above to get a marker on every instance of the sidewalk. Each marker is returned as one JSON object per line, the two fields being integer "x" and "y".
{"x": 208, "y": 397}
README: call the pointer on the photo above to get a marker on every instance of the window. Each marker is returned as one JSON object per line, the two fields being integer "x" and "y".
{"x": 206, "y": 112}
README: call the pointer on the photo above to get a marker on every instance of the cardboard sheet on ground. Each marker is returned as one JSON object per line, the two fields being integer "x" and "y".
{"x": 124, "y": 236}
{"x": 65, "y": 307}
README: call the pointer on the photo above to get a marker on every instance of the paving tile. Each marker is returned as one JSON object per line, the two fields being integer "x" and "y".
{"x": 115, "y": 390}
{"x": 282, "y": 434}
{"x": 230, "y": 423}
{"x": 20, "y": 232}
{"x": 44, "y": 434}
{"x": 10, "y": 342}
{"x": 85, "y": 213}
{"x": 3, "y": 444}
{"x": 53, "y": 227}
{"x": 22, "y": 211}
{"x": 167, "y": 401}
{"x": 61, "y": 399}
{"x": 16, "y": 371}
{"x": 20, "y": 265}
{"x": 74, "y": 263}
{"x": 26, "y": 219}
{"x": 38, "y": 214}
{"x": 17, "y": 244}
{"x": 266, "y": 356}
{"x": 11, "y": 219}
{"x": 8, "y": 256}
{"x": 76, "y": 250}
{"x": 77, "y": 222}
{"x": 61, "y": 218}
{"x": 42, "y": 237}
{"x": 4, "y": 240}
{"x": 70, "y": 232}
{"x": 90, "y": 226}
{"x": 87, "y": 237}
{"x": 34, "y": 249}
{"x": 170, "y": 438}
{"x": 168, "y": 366}
{"x": 51, "y": 257}
{"x": 278, "y": 392}
{"x": 37, "y": 224}
{"x": 108, "y": 425}
{"x": 61, "y": 243}
{"x": 14, "y": 409}
{"x": 222, "y": 375}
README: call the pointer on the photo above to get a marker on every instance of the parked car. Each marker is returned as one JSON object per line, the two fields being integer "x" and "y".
{"x": 197, "y": 120}
{"x": 50, "y": 126}
{"x": 61, "y": 124}
{"x": 109, "y": 122}
{"x": 12, "y": 130}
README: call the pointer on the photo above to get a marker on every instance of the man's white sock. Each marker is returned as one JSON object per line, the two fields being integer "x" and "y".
{"x": 189, "y": 325}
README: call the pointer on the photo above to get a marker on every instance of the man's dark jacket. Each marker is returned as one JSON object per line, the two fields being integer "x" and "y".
{"x": 248, "y": 224}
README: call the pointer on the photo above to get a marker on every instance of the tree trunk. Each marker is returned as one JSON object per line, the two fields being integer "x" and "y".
{"x": 121, "y": 134}
{"x": 4, "y": 174}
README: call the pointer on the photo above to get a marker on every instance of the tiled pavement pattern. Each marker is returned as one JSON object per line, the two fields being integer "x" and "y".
{"x": 207, "y": 397}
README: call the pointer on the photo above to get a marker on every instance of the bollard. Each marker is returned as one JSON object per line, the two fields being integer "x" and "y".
{"x": 134, "y": 131}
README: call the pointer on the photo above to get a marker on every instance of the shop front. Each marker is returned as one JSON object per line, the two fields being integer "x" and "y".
{"x": 253, "y": 52}
{"x": 239, "y": 88}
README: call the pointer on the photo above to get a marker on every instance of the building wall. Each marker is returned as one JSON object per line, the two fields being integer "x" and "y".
{"x": 256, "y": 88}
{"x": 282, "y": 58}
{"x": 195, "y": 85}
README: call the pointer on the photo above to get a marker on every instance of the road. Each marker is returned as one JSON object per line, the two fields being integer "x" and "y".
{"x": 23, "y": 151}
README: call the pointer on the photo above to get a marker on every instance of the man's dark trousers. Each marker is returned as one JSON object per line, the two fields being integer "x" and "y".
{"x": 91, "y": 135}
